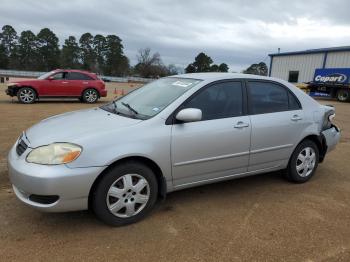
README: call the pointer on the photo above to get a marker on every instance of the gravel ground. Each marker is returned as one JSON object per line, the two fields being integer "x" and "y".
{"x": 259, "y": 218}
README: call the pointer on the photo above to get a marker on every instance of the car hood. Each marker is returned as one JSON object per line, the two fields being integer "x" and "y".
{"x": 25, "y": 82}
{"x": 76, "y": 126}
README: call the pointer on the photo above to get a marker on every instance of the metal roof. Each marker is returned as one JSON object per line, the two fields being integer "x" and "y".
{"x": 314, "y": 51}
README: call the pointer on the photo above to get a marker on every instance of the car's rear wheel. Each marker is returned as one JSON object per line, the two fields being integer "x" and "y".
{"x": 303, "y": 163}
{"x": 343, "y": 95}
{"x": 125, "y": 194}
{"x": 90, "y": 96}
{"x": 26, "y": 95}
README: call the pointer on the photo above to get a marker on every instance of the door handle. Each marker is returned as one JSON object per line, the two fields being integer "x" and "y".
{"x": 241, "y": 124}
{"x": 64, "y": 82}
{"x": 296, "y": 118}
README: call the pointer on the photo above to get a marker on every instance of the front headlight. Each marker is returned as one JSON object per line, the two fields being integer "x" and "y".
{"x": 12, "y": 84}
{"x": 54, "y": 154}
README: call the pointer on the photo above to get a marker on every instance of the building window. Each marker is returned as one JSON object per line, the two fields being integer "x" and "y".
{"x": 293, "y": 76}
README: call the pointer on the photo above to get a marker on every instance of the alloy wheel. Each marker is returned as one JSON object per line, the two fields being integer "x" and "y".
{"x": 90, "y": 96}
{"x": 27, "y": 95}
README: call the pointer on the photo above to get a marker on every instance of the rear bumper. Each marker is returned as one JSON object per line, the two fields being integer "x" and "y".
{"x": 331, "y": 137}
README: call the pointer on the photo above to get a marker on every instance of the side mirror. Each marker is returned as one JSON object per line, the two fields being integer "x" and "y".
{"x": 189, "y": 115}
{"x": 50, "y": 78}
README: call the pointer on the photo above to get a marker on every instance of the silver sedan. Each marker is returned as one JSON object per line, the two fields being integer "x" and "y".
{"x": 173, "y": 133}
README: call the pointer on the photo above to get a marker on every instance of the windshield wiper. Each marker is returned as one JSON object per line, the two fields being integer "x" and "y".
{"x": 115, "y": 107}
{"x": 130, "y": 108}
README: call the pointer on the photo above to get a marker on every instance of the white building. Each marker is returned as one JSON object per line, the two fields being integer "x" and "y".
{"x": 299, "y": 66}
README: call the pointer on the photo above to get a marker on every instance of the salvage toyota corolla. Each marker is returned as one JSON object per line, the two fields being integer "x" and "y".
{"x": 173, "y": 133}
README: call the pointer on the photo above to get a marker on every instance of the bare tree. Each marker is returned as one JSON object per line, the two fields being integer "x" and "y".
{"x": 150, "y": 65}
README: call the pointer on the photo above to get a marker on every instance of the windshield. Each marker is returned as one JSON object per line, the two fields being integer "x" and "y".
{"x": 46, "y": 75}
{"x": 152, "y": 98}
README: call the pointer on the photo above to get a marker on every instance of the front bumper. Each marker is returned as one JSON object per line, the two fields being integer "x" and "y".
{"x": 332, "y": 137}
{"x": 71, "y": 185}
{"x": 103, "y": 93}
{"x": 10, "y": 91}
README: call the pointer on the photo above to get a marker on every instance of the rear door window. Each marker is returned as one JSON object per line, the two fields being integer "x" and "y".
{"x": 267, "y": 97}
{"x": 78, "y": 76}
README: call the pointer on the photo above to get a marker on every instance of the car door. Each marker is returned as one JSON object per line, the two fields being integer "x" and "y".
{"x": 76, "y": 83}
{"x": 218, "y": 145}
{"x": 277, "y": 123}
{"x": 54, "y": 85}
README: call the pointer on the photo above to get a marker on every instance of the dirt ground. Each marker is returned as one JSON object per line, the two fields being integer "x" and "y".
{"x": 259, "y": 218}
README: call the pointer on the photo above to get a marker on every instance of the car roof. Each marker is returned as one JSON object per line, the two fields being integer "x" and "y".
{"x": 222, "y": 76}
{"x": 72, "y": 70}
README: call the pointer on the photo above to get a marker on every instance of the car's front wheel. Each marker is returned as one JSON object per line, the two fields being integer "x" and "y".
{"x": 125, "y": 194}
{"x": 26, "y": 95}
{"x": 303, "y": 163}
{"x": 90, "y": 96}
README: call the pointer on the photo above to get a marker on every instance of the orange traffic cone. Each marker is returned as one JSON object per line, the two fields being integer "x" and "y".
{"x": 122, "y": 93}
{"x": 115, "y": 91}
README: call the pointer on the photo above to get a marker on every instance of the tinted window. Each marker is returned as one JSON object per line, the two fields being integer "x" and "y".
{"x": 78, "y": 76}
{"x": 265, "y": 97}
{"x": 219, "y": 101}
{"x": 293, "y": 102}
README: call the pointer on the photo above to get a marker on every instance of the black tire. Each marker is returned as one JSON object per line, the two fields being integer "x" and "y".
{"x": 292, "y": 173}
{"x": 90, "y": 96}
{"x": 26, "y": 95}
{"x": 102, "y": 202}
{"x": 343, "y": 95}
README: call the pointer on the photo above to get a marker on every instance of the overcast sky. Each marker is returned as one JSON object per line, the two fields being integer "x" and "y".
{"x": 237, "y": 32}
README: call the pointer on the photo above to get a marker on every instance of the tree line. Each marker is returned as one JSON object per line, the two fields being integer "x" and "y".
{"x": 100, "y": 54}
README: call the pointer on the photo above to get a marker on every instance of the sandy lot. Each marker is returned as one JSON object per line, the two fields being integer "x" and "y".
{"x": 261, "y": 218}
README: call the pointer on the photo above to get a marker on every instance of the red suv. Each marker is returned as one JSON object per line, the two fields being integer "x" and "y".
{"x": 59, "y": 83}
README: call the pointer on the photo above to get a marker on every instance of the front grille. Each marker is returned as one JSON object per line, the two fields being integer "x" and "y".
{"x": 21, "y": 147}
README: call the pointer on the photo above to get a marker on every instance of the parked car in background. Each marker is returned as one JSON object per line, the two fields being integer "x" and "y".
{"x": 173, "y": 133}
{"x": 85, "y": 86}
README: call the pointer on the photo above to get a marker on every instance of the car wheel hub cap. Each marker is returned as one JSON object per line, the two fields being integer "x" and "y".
{"x": 128, "y": 195}
{"x": 306, "y": 162}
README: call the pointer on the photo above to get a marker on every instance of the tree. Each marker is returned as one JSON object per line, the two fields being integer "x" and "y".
{"x": 257, "y": 69}
{"x": 214, "y": 68}
{"x": 48, "y": 49}
{"x": 70, "y": 54}
{"x": 150, "y": 65}
{"x": 87, "y": 53}
{"x": 203, "y": 63}
{"x": 100, "y": 49}
{"x": 8, "y": 41}
{"x": 8, "y": 38}
{"x": 27, "y": 51}
{"x": 223, "y": 67}
{"x": 116, "y": 62}
{"x": 190, "y": 69}
{"x": 4, "y": 60}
